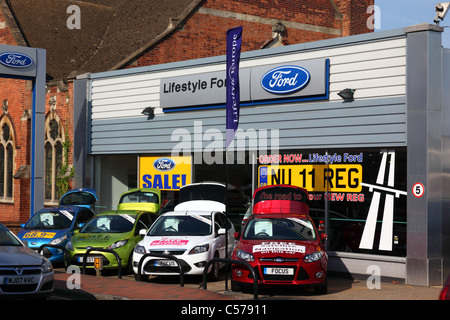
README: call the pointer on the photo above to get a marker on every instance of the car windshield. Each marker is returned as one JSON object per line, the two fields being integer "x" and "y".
{"x": 139, "y": 197}
{"x": 7, "y": 238}
{"x": 280, "y": 229}
{"x": 182, "y": 226}
{"x": 119, "y": 223}
{"x": 203, "y": 192}
{"x": 77, "y": 198}
{"x": 61, "y": 219}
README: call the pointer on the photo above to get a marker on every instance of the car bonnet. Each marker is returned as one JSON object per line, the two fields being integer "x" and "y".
{"x": 18, "y": 256}
{"x": 100, "y": 240}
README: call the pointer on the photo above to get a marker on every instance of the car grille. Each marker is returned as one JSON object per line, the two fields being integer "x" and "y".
{"x": 274, "y": 259}
{"x": 26, "y": 271}
{"x": 170, "y": 252}
{"x": 15, "y": 271}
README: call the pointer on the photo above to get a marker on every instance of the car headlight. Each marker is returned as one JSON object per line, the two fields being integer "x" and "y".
{"x": 199, "y": 249}
{"x": 58, "y": 240}
{"x": 245, "y": 256}
{"x": 312, "y": 257}
{"x": 118, "y": 244}
{"x": 46, "y": 266}
{"x": 140, "y": 249}
{"x": 69, "y": 246}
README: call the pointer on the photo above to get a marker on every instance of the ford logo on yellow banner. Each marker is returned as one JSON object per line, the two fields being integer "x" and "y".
{"x": 15, "y": 60}
{"x": 285, "y": 79}
{"x": 164, "y": 164}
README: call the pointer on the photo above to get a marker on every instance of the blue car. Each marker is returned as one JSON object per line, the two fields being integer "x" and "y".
{"x": 56, "y": 225}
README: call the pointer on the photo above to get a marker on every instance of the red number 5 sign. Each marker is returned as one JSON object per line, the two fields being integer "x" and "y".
{"x": 418, "y": 190}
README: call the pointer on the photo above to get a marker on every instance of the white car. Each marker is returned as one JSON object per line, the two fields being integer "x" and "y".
{"x": 193, "y": 237}
{"x": 23, "y": 272}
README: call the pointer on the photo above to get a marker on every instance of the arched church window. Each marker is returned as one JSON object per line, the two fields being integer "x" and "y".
{"x": 54, "y": 139}
{"x": 7, "y": 151}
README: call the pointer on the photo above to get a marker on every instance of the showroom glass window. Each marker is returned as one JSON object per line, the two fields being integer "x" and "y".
{"x": 7, "y": 147}
{"x": 358, "y": 195}
{"x": 372, "y": 220}
{"x": 54, "y": 139}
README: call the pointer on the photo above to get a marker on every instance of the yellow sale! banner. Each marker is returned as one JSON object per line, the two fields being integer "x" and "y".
{"x": 165, "y": 173}
{"x": 314, "y": 177}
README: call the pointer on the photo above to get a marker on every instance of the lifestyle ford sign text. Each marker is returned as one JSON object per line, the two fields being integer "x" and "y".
{"x": 293, "y": 81}
{"x": 15, "y": 60}
{"x": 285, "y": 79}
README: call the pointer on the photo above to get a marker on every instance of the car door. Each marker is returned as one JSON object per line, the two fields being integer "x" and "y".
{"x": 222, "y": 222}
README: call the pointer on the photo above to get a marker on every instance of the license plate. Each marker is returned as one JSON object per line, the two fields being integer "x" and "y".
{"x": 19, "y": 280}
{"x": 89, "y": 259}
{"x": 279, "y": 271}
{"x": 165, "y": 263}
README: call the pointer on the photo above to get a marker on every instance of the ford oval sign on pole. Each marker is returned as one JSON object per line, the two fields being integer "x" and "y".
{"x": 285, "y": 79}
{"x": 15, "y": 60}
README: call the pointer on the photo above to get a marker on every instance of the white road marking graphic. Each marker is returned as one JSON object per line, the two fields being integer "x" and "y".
{"x": 386, "y": 238}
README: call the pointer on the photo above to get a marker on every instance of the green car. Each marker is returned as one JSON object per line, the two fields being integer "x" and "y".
{"x": 116, "y": 230}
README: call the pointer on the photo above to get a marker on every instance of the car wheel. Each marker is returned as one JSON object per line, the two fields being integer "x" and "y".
{"x": 129, "y": 267}
{"x": 214, "y": 273}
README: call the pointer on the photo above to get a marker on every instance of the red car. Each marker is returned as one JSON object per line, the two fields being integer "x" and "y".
{"x": 281, "y": 242}
{"x": 445, "y": 292}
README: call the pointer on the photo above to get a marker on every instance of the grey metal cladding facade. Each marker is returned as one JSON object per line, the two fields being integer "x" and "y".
{"x": 336, "y": 124}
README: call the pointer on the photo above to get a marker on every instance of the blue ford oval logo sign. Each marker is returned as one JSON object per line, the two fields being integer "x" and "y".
{"x": 164, "y": 164}
{"x": 15, "y": 60}
{"x": 285, "y": 79}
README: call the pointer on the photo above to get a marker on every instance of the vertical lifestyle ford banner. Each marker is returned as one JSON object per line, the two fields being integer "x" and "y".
{"x": 234, "y": 37}
{"x": 165, "y": 173}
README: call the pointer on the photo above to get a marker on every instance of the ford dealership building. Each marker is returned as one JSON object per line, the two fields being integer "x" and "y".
{"x": 361, "y": 122}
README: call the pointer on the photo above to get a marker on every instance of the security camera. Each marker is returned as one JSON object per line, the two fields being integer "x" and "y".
{"x": 441, "y": 11}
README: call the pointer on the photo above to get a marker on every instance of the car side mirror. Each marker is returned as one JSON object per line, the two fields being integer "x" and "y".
{"x": 142, "y": 232}
{"x": 323, "y": 237}
{"x": 221, "y": 231}
{"x": 236, "y": 235}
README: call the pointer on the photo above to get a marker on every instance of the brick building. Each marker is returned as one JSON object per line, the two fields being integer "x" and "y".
{"x": 103, "y": 35}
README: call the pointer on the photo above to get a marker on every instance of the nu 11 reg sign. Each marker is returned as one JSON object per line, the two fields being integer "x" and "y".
{"x": 314, "y": 177}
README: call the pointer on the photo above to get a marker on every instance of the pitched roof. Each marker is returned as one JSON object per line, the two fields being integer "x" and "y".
{"x": 111, "y": 33}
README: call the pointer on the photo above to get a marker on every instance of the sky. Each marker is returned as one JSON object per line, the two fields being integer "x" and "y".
{"x": 396, "y": 14}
